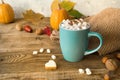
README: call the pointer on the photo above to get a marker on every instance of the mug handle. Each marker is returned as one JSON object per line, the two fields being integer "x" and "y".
{"x": 90, "y": 34}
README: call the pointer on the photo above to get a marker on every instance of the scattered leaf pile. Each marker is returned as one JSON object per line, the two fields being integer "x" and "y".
{"x": 33, "y": 17}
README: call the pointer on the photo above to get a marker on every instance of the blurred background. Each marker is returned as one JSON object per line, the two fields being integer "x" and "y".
{"x": 87, "y": 7}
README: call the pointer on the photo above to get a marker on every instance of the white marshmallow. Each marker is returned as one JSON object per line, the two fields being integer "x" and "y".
{"x": 84, "y": 27}
{"x": 75, "y": 25}
{"x": 88, "y": 71}
{"x": 71, "y": 28}
{"x": 53, "y": 57}
{"x": 78, "y": 29}
{"x": 48, "y": 51}
{"x": 63, "y": 20}
{"x": 77, "y": 20}
{"x": 81, "y": 71}
{"x": 35, "y": 52}
{"x": 68, "y": 27}
{"x": 41, "y": 50}
{"x": 84, "y": 24}
{"x": 81, "y": 24}
{"x": 62, "y": 25}
{"x": 67, "y": 21}
{"x": 81, "y": 19}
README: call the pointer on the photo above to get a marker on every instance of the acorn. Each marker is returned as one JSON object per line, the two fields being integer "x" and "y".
{"x": 39, "y": 31}
{"x": 111, "y": 65}
{"x": 106, "y": 77}
{"x": 19, "y": 27}
{"x": 104, "y": 59}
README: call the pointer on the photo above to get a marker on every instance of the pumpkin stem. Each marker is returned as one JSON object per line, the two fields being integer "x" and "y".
{"x": 59, "y": 7}
{"x": 2, "y": 1}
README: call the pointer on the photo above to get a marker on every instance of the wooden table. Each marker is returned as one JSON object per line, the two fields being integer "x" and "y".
{"x": 18, "y": 63}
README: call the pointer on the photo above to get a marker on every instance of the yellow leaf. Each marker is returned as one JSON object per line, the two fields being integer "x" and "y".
{"x": 67, "y": 5}
{"x": 55, "y": 5}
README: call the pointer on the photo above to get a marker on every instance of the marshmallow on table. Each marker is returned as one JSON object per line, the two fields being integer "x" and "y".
{"x": 81, "y": 71}
{"x": 35, "y": 52}
{"x": 41, "y": 50}
{"x": 53, "y": 57}
{"x": 48, "y": 51}
{"x": 50, "y": 65}
{"x": 88, "y": 71}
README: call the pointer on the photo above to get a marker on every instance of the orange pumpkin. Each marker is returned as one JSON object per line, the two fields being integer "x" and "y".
{"x": 6, "y": 13}
{"x": 57, "y": 16}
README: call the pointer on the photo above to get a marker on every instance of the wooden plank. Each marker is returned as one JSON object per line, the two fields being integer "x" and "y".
{"x": 15, "y": 60}
{"x": 23, "y": 66}
{"x": 18, "y": 63}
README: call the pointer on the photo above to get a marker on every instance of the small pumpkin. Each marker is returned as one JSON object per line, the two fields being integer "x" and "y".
{"x": 6, "y": 13}
{"x": 57, "y": 16}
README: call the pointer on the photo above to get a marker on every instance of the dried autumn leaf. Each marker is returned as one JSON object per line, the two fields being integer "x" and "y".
{"x": 33, "y": 17}
{"x": 67, "y": 5}
{"x": 74, "y": 13}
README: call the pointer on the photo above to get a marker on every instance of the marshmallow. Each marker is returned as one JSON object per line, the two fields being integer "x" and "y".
{"x": 35, "y": 52}
{"x": 84, "y": 24}
{"x": 63, "y": 20}
{"x": 77, "y": 20}
{"x": 79, "y": 24}
{"x": 81, "y": 71}
{"x": 53, "y": 57}
{"x": 62, "y": 25}
{"x": 78, "y": 29}
{"x": 81, "y": 19}
{"x": 88, "y": 71}
{"x": 74, "y": 24}
{"x": 41, "y": 50}
{"x": 67, "y": 20}
{"x": 71, "y": 28}
{"x": 48, "y": 51}
{"x": 84, "y": 27}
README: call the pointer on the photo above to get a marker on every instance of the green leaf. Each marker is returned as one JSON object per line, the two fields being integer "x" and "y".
{"x": 67, "y": 5}
{"x": 74, "y": 13}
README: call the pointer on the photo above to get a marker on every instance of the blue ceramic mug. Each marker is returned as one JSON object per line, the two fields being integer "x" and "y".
{"x": 74, "y": 44}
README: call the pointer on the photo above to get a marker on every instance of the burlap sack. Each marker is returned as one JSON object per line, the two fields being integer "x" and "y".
{"x": 107, "y": 23}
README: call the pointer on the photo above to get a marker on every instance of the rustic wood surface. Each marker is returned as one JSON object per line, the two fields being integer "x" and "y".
{"x": 18, "y": 63}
